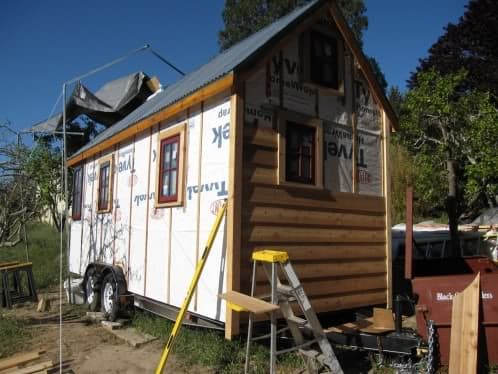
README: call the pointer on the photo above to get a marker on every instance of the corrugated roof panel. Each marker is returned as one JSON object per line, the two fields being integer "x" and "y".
{"x": 218, "y": 67}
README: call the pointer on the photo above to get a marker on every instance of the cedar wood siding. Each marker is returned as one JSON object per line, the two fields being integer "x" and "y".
{"x": 336, "y": 242}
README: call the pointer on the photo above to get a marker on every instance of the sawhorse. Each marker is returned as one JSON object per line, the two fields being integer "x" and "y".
{"x": 11, "y": 284}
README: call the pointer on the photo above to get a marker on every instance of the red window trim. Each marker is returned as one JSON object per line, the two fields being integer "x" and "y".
{"x": 170, "y": 140}
{"x": 77, "y": 187}
{"x": 312, "y": 155}
{"x": 106, "y": 187}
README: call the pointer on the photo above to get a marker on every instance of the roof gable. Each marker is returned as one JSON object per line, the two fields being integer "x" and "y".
{"x": 232, "y": 60}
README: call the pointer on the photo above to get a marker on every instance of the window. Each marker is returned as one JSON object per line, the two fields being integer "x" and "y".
{"x": 324, "y": 60}
{"x": 300, "y": 161}
{"x": 77, "y": 193}
{"x": 168, "y": 169}
{"x": 170, "y": 165}
{"x": 300, "y": 153}
{"x": 105, "y": 185}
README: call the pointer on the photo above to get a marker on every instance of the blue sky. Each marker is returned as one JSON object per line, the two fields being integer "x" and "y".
{"x": 45, "y": 43}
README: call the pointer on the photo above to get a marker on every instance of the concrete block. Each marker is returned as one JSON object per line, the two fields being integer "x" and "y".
{"x": 133, "y": 337}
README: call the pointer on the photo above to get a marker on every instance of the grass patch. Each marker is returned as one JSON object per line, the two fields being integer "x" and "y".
{"x": 13, "y": 336}
{"x": 43, "y": 251}
{"x": 209, "y": 348}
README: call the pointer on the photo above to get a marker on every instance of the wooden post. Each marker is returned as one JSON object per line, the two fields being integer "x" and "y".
{"x": 386, "y": 130}
{"x": 234, "y": 213}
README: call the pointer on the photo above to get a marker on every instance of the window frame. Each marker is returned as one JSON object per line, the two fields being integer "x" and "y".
{"x": 179, "y": 132}
{"x": 284, "y": 119}
{"x": 77, "y": 216}
{"x": 306, "y": 49}
{"x": 110, "y": 181}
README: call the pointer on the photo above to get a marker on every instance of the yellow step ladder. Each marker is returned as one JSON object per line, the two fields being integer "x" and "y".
{"x": 281, "y": 297}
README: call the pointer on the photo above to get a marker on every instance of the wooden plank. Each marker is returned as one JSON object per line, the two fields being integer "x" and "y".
{"x": 278, "y": 215}
{"x": 335, "y": 286}
{"x": 261, "y": 136}
{"x": 198, "y": 96}
{"x": 260, "y": 156}
{"x": 326, "y": 270}
{"x": 248, "y": 303}
{"x": 386, "y": 183}
{"x": 16, "y": 266}
{"x": 465, "y": 329}
{"x": 260, "y": 175}
{"x": 32, "y": 369}
{"x": 313, "y": 198}
{"x": 5, "y": 264}
{"x": 20, "y": 359}
{"x": 279, "y": 234}
{"x": 342, "y": 302}
{"x": 234, "y": 211}
{"x": 315, "y": 252}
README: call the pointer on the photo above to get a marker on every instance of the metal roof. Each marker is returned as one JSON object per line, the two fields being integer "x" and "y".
{"x": 235, "y": 57}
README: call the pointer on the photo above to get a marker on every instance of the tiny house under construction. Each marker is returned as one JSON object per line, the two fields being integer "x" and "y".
{"x": 291, "y": 127}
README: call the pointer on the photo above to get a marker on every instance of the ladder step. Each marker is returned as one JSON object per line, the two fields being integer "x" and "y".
{"x": 285, "y": 289}
{"x": 298, "y": 321}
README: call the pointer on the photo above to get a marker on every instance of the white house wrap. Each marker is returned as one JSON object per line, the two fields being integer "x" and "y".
{"x": 291, "y": 128}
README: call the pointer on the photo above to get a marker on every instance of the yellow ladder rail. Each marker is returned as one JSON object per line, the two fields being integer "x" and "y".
{"x": 191, "y": 289}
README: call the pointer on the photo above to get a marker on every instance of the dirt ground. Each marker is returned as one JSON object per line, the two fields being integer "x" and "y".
{"x": 87, "y": 347}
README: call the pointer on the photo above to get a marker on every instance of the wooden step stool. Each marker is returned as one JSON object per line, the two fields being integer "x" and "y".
{"x": 11, "y": 287}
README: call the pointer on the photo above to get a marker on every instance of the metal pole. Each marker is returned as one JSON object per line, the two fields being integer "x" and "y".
{"x": 67, "y": 225}
{"x": 63, "y": 164}
{"x": 409, "y": 234}
{"x": 25, "y": 235}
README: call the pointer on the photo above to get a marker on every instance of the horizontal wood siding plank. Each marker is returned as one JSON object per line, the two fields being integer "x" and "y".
{"x": 317, "y": 252}
{"x": 343, "y": 285}
{"x": 312, "y": 198}
{"x": 276, "y": 215}
{"x": 260, "y": 156}
{"x": 262, "y": 137}
{"x": 260, "y": 175}
{"x": 279, "y": 234}
{"x": 339, "y": 302}
{"x": 338, "y": 269}
{"x": 342, "y": 302}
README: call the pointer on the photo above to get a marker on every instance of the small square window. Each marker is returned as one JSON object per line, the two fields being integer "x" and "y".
{"x": 105, "y": 186}
{"x": 77, "y": 199}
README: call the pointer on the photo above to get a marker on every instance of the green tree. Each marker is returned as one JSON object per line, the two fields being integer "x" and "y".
{"x": 379, "y": 74}
{"x": 470, "y": 44}
{"x": 396, "y": 99}
{"x": 445, "y": 128}
{"x": 43, "y": 167}
{"x": 242, "y": 18}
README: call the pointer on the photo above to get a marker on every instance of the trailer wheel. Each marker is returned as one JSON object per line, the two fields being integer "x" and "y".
{"x": 92, "y": 297}
{"x": 110, "y": 304}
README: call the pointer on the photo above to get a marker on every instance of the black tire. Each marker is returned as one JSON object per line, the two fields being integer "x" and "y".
{"x": 92, "y": 291}
{"x": 109, "y": 297}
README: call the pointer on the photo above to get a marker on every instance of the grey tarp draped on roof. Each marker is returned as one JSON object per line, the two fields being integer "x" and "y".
{"x": 111, "y": 103}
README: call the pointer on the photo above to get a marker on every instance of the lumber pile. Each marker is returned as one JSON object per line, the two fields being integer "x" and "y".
{"x": 31, "y": 363}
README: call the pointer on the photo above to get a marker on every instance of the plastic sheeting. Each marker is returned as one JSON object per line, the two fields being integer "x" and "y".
{"x": 111, "y": 103}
